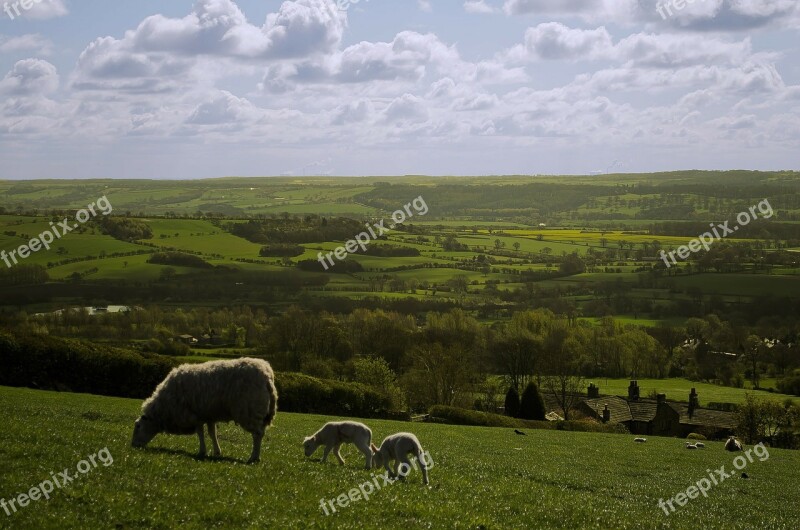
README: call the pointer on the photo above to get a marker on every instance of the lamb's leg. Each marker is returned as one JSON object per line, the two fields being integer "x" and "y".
{"x": 404, "y": 460}
{"x": 424, "y": 466}
{"x": 212, "y": 433}
{"x": 256, "y": 456}
{"x": 201, "y": 436}
{"x": 325, "y": 454}
{"x": 337, "y": 455}
{"x": 367, "y": 456}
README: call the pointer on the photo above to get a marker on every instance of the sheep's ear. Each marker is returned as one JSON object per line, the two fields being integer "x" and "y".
{"x": 373, "y": 447}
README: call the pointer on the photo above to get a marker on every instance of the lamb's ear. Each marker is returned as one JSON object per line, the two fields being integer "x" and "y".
{"x": 373, "y": 447}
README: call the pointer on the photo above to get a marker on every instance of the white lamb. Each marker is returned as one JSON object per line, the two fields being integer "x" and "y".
{"x": 193, "y": 395}
{"x": 397, "y": 447}
{"x": 332, "y": 435}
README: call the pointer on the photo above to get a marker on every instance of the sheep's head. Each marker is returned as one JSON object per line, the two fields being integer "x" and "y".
{"x": 310, "y": 445}
{"x": 144, "y": 430}
{"x": 378, "y": 459}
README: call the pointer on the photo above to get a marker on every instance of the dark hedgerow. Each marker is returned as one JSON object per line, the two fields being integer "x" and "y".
{"x": 49, "y": 363}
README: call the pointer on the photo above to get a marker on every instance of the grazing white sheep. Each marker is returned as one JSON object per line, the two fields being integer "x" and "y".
{"x": 690, "y": 446}
{"x": 640, "y": 440}
{"x": 733, "y": 444}
{"x": 193, "y": 395}
{"x": 332, "y": 435}
{"x": 700, "y": 445}
{"x": 397, "y": 447}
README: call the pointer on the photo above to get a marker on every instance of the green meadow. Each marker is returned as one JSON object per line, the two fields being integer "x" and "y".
{"x": 481, "y": 477}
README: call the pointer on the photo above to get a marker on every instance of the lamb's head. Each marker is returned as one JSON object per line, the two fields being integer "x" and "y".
{"x": 144, "y": 430}
{"x": 378, "y": 458}
{"x": 310, "y": 445}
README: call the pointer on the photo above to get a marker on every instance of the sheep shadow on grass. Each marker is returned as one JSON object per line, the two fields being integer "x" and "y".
{"x": 194, "y": 456}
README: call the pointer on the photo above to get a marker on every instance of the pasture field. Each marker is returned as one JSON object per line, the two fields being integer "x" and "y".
{"x": 743, "y": 284}
{"x": 678, "y": 389}
{"x": 481, "y": 478}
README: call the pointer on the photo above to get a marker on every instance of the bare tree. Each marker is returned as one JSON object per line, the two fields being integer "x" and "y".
{"x": 563, "y": 380}
{"x": 566, "y": 389}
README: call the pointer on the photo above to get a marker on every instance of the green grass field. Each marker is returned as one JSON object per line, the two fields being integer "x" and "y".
{"x": 482, "y": 478}
{"x": 678, "y": 389}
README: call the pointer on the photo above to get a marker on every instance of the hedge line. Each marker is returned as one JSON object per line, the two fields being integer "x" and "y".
{"x": 302, "y": 393}
{"x": 457, "y": 416}
{"x": 49, "y": 363}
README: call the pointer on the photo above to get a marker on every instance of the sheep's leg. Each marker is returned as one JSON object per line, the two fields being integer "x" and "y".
{"x": 367, "y": 457}
{"x": 337, "y": 455}
{"x": 212, "y": 433}
{"x": 424, "y": 466}
{"x": 256, "y": 456}
{"x": 201, "y": 436}
{"x": 325, "y": 455}
{"x": 404, "y": 460}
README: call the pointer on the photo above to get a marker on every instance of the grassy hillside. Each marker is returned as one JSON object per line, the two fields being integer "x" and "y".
{"x": 482, "y": 478}
{"x": 678, "y": 389}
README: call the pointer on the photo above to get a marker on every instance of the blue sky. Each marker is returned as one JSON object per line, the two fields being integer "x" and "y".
{"x": 209, "y": 88}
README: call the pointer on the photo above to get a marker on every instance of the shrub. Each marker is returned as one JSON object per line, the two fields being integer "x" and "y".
{"x": 302, "y": 393}
{"x": 179, "y": 259}
{"x": 512, "y": 403}
{"x": 532, "y": 405}
{"x": 790, "y": 384}
{"x": 126, "y": 229}
{"x": 696, "y": 436}
{"x": 375, "y": 372}
{"x": 281, "y": 250}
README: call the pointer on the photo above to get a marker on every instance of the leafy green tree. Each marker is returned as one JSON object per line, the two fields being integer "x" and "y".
{"x": 376, "y": 372}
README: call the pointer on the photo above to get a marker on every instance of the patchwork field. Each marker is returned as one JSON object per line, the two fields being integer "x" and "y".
{"x": 678, "y": 389}
{"x": 482, "y": 478}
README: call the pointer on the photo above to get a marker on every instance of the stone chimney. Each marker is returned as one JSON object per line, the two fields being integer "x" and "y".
{"x": 694, "y": 402}
{"x": 594, "y": 391}
{"x": 633, "y": 391}
{"x": 606, "y": 414}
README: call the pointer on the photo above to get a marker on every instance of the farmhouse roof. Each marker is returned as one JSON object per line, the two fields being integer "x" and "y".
{"x": 643, "y": 410}
{"x": 704, "y": 417}
{"x": 620, "y": 411}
